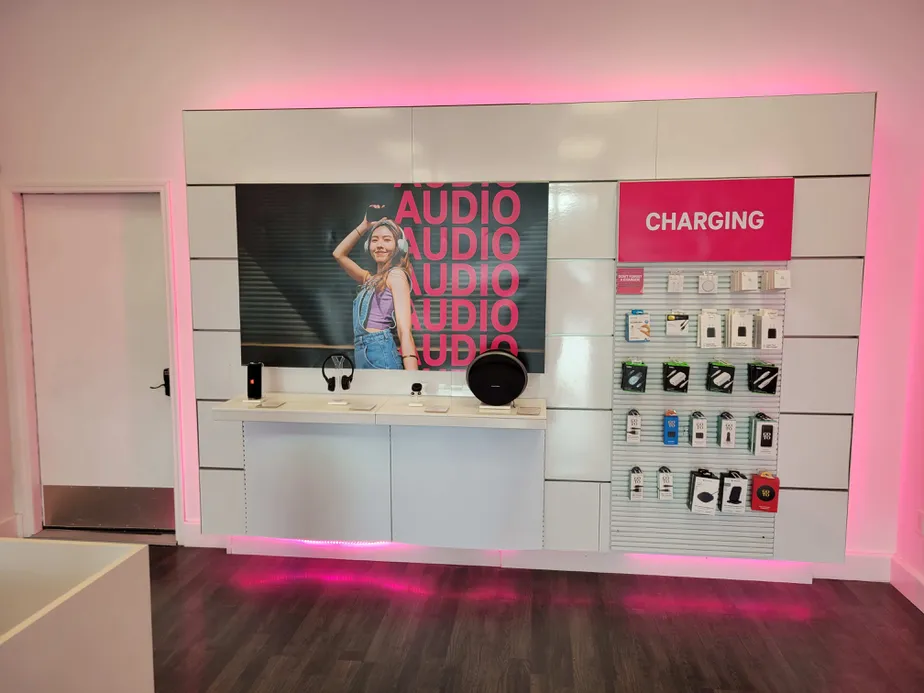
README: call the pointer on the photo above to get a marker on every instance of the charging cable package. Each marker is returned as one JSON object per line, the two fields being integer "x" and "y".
{"x": 675, "y": 376}
{"x": 676, "y": 324}
{"x": 704, "y": 492}
{"x": 665, "y": 484}
{"x": 698, "y": 429}
{"x": 733, "y": 492}
{"x": 763, "y": 377}
{"x": 634, "y": 376}
{"x": 720, "y": 377}
{"x": 671, "y": 428}
{"x": 728, "y": 429}
{"x": 638, "y": 326}
{"x": 636, "y": 484}
{"x": 633, "y": 426}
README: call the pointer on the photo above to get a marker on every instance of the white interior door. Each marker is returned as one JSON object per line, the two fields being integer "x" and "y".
{"x": 98, "y": 298}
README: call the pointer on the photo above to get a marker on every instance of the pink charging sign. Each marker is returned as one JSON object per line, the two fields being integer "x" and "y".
{"x": 748, "y": 220}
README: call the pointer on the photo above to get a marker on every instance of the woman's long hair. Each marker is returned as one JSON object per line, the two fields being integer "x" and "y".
{"x": 399, "y": 260}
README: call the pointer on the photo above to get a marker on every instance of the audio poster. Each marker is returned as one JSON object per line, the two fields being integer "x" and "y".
{"x": 405, "y": 276}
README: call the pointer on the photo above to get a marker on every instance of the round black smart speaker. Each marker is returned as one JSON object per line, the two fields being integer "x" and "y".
{"x": 496, "y": 377}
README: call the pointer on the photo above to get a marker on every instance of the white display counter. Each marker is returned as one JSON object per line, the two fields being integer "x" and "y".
{"x": 379, "y": 468}
{"x": 75, "y": 616}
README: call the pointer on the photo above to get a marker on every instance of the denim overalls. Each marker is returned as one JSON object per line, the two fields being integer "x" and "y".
{"x": 372, "y": 349}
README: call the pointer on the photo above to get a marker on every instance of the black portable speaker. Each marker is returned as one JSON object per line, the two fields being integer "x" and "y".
{"x": 254, "y": 380}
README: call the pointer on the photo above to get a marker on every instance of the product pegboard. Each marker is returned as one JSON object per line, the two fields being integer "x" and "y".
{"x": 650, "y": 525}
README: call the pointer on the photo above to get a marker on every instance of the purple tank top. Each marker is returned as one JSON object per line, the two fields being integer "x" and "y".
{"x": 381, "y": 311}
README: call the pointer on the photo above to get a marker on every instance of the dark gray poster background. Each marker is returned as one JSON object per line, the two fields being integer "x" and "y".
{"x": 296, "y": 301}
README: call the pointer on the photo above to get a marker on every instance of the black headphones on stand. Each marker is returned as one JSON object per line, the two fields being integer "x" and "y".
{"x": 345, "y": 380}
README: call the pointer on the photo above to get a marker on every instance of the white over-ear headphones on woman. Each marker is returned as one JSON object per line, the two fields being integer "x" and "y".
{"x": 400, "y": 240}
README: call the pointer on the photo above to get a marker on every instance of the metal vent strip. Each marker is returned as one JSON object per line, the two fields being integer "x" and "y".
{"x": 668, "y": 527}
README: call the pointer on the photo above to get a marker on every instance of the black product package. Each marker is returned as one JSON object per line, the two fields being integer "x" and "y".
{"x": 763, "y": 377}
{"x": 720, "y": 377}
{"x": 634, "y": 376}
{"x": 675, "y": 376}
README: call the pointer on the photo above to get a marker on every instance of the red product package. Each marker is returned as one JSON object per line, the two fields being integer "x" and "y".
{"x": 765, "y": 492}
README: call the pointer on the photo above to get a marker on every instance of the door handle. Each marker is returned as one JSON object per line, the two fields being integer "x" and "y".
{"x": 165, "y": 384}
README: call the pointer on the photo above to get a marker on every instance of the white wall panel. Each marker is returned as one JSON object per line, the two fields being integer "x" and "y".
{"x": 604, "y": 533}
{"x": 824, "y": 300}
{"x": 572, "y": 516}
{"x": 811, "y": 526}
{"x": 219, "y": 373}
{"x": 336, "y": 145}
{"x": 467, "y": 489}
{"x": 211, "y": 213}
{"x": 823, "y": 135}
{"x": 221, "y": 443}
{"x": 578, "y": 445}
{"x": 819, "y": 376}
{"x": 814, "y": 451}
{"x": 221, "y": 498}
{"x": 829, "y": 217}
{"x": 582, "y": 220}
{"x": 578, "y": 373}
{"x": 215, "y": 295}
{"x": 579, "y": 297}
{"x": 318, "y": 481}
{"x": 590, "y": 141}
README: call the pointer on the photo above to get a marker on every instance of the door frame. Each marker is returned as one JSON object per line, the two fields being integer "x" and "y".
{"x": 17, "y": 324}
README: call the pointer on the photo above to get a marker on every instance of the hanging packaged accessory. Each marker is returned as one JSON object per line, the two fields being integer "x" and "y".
{"x": 677, "y": 324}
{"x": 728, "y": 430}
{"x": 765, "y": 492}
{"x": 745, "y": 280}
{"x": 720, "y": 377}
{"x": 739, "y": 329}
{"x": 665, "y": 484}
{"x": 733, "y": 492}
{"x": 763, "y": 435}
{"x": 708, "y": 283}
{"x": 704, "y": 492}
{"x": 698, "y": 429}
{"x": 675, "y": 282}
{"x": 636, "y": 484}
{"x": 763, "y": 377}
{"x": 671, "y": 428}
{"x": 675, "y": 376}
{"x": 633, "y": 426}
{"x": 634, "y": 376}
{"x": 638, "y": 326}
{"x": 777, "y": 279}
{"x": 709, "y": 333}
{"x": 768, "y": 328}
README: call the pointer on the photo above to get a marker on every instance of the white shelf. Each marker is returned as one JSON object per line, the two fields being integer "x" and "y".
{"x": 464, "y": 412}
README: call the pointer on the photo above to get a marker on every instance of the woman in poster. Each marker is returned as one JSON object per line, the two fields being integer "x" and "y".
{"x": 382, "y": 307}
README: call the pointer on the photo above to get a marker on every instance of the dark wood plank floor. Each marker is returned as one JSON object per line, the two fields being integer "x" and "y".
{"x": 230, "y": 624}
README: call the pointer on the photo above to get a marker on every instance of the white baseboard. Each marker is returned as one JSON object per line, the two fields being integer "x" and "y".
{"x": 862, "y": 566}
{"x": 866, "y": 567}
{"x": 10, "y": 527}
{"x": 908, "y": 581}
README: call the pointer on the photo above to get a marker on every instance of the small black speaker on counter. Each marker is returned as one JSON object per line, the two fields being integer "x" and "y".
{"x": 496, "y": 377}
{"x": 254, "y": 380}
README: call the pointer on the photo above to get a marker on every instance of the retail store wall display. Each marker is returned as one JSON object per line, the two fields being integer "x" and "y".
{"x": 407, "y": 276}
{"x": 747, "y": 220}
{"x": 653, "y": 525}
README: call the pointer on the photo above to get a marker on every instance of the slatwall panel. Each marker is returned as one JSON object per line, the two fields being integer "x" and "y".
{"x": 653, "y": 526}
